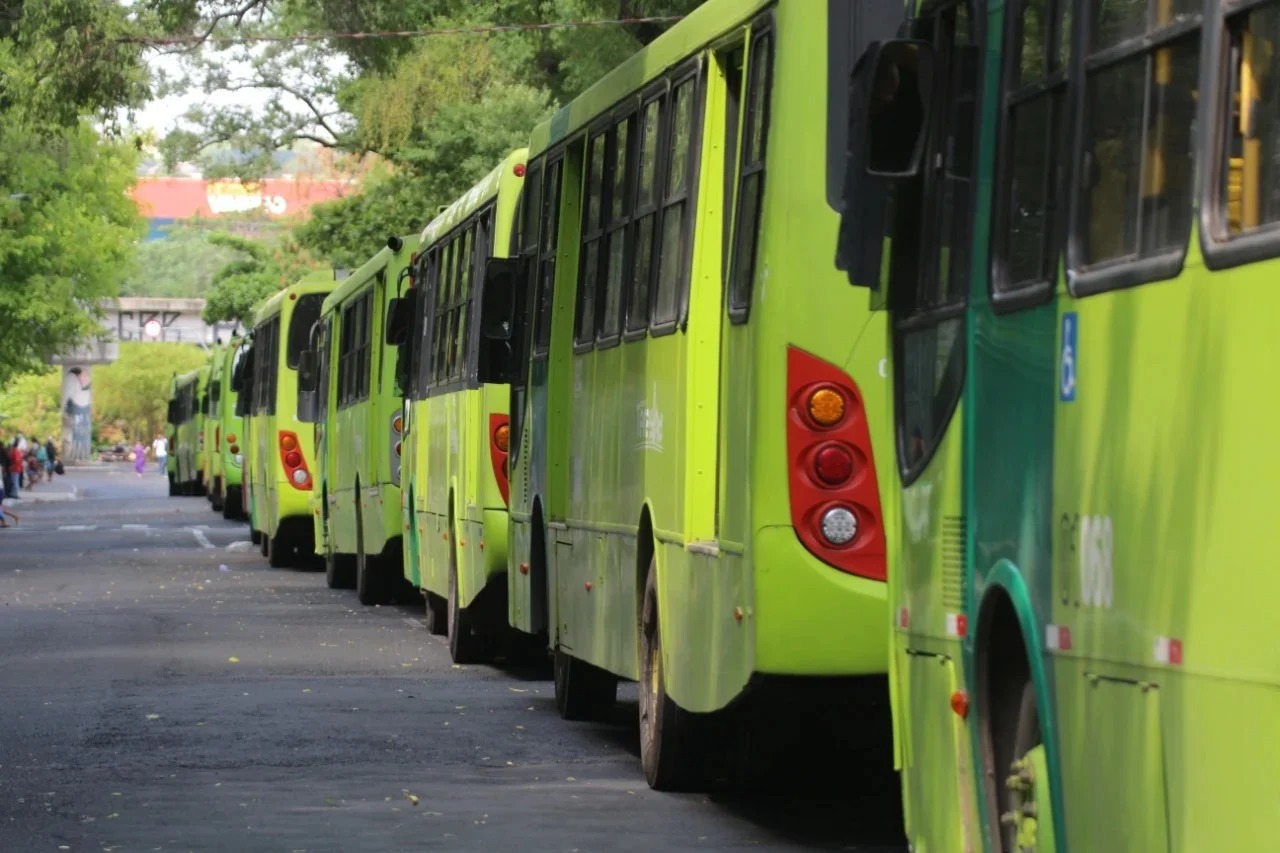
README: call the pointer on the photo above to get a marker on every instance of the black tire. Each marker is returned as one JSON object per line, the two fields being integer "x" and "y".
{"x": 255, "y": 536}
{"x": 437, "y": 614}
{"x": 370, "y": 586}
{"x": 669, "y": 744}
{"x": 465, "y": 644}
{"x": 583, "y": 691}
{"x": 173, "y": 487}
{"x": 264, "y": 544}
{"x": 282, "y": 551}
{"x": 231, "y": 509}
{"x": 216, "y": 499}
{"x": 339, "y": 570}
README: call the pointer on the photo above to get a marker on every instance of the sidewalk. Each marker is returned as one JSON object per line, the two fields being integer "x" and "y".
{"x": 47, "y": 491}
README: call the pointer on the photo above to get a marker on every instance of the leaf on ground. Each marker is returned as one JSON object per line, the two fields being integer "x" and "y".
{"x": 233, "y": 659}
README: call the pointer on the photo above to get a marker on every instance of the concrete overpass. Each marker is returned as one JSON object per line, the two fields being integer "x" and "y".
{"x": 145, "y": 319}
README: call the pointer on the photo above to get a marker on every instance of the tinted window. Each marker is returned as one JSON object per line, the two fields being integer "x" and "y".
{"x": 1140, "y": 108}
{"x": 305, "y": 315}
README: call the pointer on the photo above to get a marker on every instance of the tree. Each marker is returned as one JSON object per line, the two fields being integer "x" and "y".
{"x": 31, "y": 404}
{"x": 132, "y": 393}
{"x": 66, "y": 238}
{"x": 60, "y": 61}
{"x": 261, "y": 270}
{"x": 182, "y": 264}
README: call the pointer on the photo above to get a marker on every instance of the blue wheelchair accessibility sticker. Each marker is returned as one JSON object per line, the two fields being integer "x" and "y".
{"x": 1067, "y": 367}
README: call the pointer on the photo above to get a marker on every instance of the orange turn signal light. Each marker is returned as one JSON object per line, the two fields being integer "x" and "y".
{"x": 826, "y": 406}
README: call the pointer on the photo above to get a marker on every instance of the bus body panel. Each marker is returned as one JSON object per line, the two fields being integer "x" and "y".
{"x": 456, "y": 510}
{"x": 231, "y": 466}
{"x": 211, "y": 457}
{"x": 1115, "y": 515}
{"x": 358, "y": 473}
{"x": 274, "y": 498}
{"x": 683, "y": 436}
{"x": 188, "y": 432}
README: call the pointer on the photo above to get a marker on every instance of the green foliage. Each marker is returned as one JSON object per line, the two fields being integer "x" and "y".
{"x": 441, "y": 110}
{"x": 31, "y": 404}
{"x": 63, "y": 59}
{"x": 132, "y": 393}
{"x": 182, "y": 264}
{"x": 262, "y": 269}
{"x": 65, "y": 244}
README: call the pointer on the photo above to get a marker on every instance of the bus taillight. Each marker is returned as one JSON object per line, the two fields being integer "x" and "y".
{"x": 499, "y": 449}
{"x": 835, "y": 498}
{"x": 295, "y": 464}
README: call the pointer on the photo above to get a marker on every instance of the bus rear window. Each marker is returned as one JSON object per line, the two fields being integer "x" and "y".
{"x": 305, "y": 315}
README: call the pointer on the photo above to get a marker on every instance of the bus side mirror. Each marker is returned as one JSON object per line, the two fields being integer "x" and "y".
{"x": 890, "y": 94}
{"x": 399, "y": 320}
{"x": 497, "y": 311}
{"x": 308, "y": 376}
{"x": 894, "y": 100}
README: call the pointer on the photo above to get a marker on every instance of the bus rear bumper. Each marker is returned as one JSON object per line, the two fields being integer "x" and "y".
{"x": 812, "y": 619}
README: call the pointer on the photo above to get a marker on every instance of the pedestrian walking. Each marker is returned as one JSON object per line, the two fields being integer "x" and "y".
{"x": 139, "y": 457}
{"x": 15, "y": 471}
{"x": 160, "y": 447}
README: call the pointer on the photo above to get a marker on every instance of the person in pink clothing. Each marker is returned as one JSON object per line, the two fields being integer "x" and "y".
{"x": 139, "y": 457}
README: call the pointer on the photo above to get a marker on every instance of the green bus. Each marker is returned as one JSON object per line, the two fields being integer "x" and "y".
{"x": 209, "y": 426}
{"x": 455, "y": 377}
{"x": 278, "y": 477}
{"x": 348, "y": 389}
{"x": 222, "y": 432}
{"x": 701, "y": 412}
{"x": 186, "y": 414}
{"x": 1077, "y": 270}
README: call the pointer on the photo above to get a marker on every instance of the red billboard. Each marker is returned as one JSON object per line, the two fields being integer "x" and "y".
{"x": 185, "y": 198}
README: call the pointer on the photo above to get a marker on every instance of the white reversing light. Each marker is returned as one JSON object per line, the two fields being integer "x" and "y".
{"x": 839, "y": 526}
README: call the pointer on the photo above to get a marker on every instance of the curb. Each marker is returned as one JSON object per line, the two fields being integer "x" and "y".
{"x": 44, "y": 497}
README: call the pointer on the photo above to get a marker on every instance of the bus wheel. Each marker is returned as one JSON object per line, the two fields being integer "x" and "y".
{"x": 255, "y": 536}
{"x": 437, "y": 614}
{"x": 371, "y": 587}
{"x": 583, "y": 691}
{"x": 264, "y": 544}
{"x": 668, "y": 751}
{"x": 339, "y": 570}
{"x": 1020, "y": 810}
{"x": 280, "y": 548}
{"x": 216, "y": 499}
{"x": 231, "y": 504}
{"x": 173, "y": 487}
{"x": 465, "y": 644}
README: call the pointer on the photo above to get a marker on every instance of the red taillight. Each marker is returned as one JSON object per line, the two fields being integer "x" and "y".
{"x": 518, "y": 169}
{"x": 295, "y": 464}
{"x": 235, "y": 448}
{"x": 835, "y": 499}
{"x": 833, "y": 465}
{"x": 499, "y": 429}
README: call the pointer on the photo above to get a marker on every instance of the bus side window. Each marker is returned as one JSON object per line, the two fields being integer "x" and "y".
{"x": 750, "y": 180}
{"x": 1251, "y": 170}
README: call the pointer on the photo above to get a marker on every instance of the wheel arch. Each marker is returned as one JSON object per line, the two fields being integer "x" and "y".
{"x": 1006, "y": 643}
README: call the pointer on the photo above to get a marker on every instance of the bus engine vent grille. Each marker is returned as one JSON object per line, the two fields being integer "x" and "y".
{"x": 953, "y": 584}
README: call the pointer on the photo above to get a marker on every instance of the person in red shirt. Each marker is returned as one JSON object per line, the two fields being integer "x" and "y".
{"x": 15, "y": 469}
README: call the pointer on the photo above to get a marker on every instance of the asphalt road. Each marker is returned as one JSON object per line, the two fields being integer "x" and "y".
{"x": 162, "y": 688}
